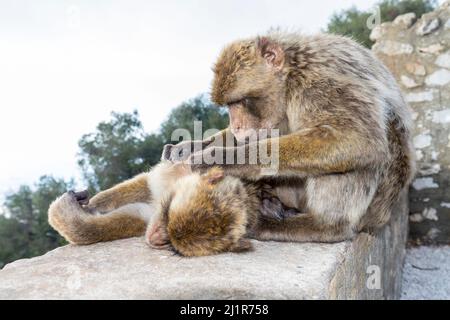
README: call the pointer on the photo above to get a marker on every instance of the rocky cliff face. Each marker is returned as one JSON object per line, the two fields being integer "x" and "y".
{"x": 417, "y": 51}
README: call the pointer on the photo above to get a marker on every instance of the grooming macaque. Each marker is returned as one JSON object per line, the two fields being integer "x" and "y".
{"x": 345, "y": 150}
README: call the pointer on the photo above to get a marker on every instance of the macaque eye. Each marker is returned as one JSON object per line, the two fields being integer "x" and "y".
{"x": 243, "y": 102}
{"x": 234, "y": 103}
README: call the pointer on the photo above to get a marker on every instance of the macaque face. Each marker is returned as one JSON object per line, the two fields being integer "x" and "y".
{"x": 249, "y": 115}
{"x": 249, "y": 80}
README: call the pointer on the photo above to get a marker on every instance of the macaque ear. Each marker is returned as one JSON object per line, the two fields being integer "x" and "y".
{"x": 214, "y": 175}
{"x": 243, "y": 245}
{"x": 271, "y": 52}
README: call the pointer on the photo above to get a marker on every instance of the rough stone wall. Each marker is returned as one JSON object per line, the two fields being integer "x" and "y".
{"x": 417, "y": 51}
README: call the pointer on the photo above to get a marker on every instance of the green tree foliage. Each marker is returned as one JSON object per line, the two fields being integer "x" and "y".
{"x": 25, "y": 232}
{"x": 197, "y": 109}
{"x": 120, "y": 149}
{"x": 353, "y": 22}
{"x": 117, "y": 150}
{"x": 13, "y": 243}
{"x": 113, "y": 153}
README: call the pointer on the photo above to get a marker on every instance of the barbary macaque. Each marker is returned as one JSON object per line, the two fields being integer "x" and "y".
{"x": 344, "y": 155}
{"x": 191, "y": 213}
{"x": 124, "y": 211}
{"x": 344, "y": 151}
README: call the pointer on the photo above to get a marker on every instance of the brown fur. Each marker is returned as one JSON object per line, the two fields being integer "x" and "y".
{"x": 120, "y": 212}
{"x": 131, "y": 191}
{"x": 345, "y": 129}
{"x": 345, "y": 141}
{"x": 216, "y": 219}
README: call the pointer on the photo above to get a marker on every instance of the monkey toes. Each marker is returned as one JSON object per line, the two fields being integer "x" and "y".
{"x": 82, "y": 197}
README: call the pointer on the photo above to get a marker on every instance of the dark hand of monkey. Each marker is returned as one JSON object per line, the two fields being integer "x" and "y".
{"x": 173, "y": 153}
{"x": 82, "y": 197}
{"x": 214, "y": 156}
{"x": 182, "y": 151}
{"x": 272, "y": 208}
{"x": 233, "y": 160}
{"x": 199, "y": 160}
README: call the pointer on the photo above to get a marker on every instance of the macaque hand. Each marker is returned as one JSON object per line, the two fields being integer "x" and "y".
{"x": 197, "y": 160}
{"x": 81, "y": 197}
{"x": 212, "y": 157}
{"x": 181, "y": 151}
{"x": 176, "y": 153}
{"x": 272, "y": 208}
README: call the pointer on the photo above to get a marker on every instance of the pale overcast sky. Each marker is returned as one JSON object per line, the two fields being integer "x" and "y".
{"x": 65, "y": 65}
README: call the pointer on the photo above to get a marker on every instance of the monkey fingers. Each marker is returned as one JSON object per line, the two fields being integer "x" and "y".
{"x": 266, "y": 192}
{"x": 214, "y": 156}
{"x": 271, "y": 208}
{"x": 182, "y": 151}
{"x": 198, "y": 161}
{"x": 176, "y": 153}
{"x": 287, "y": 213}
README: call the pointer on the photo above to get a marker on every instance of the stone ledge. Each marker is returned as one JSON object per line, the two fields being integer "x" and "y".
{"x": 128, "y": 269}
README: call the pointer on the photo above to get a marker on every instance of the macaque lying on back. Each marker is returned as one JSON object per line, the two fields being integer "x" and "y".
{"x": 194, "y": 214}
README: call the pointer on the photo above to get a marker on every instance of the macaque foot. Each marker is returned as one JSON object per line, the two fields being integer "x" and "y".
{"x": 64, "y": 210}
{"x": 81, "y": 197}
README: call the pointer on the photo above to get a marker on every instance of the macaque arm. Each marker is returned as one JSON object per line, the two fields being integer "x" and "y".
{"x": 181, "y": 151}
{"x": 135, "y": 190}
{"x": 80, "y": 227}
{"x": 324, "y": 150}
{"x": 315, "y": 151}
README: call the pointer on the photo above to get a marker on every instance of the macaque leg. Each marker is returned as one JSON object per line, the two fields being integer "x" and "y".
{"x": 135, "y": 190}
{"x": 80, "y": 227}
{"x": 302, "y": 227}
